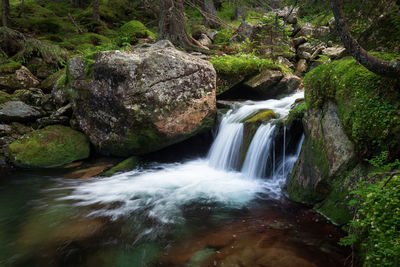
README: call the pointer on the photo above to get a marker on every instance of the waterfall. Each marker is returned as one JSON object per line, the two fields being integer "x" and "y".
{"x": 225, "y": 151}
{"x": 256, "y": 159}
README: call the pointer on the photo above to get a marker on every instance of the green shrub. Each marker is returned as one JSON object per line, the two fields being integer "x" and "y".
{"x": 375, "y": 230}
{"x": 223, "y": 36}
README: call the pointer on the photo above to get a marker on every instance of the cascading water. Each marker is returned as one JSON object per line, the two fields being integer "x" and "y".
{"x": 255, "y": 163}
{"x": 160, "y": 193}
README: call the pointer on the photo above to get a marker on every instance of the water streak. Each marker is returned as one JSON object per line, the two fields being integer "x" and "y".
{"x": 259, "y": 151}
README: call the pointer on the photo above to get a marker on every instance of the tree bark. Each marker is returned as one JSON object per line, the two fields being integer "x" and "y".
{"x": 96, "y": 13}
{"x": 5, "y": 13}
{"x": 384, "y": 68}
{"x": 172, "y": 24}
{"x": 210, "y": 14}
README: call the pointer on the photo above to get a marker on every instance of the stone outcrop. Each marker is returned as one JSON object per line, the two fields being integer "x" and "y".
{"x": 326, "y": 156}
{"x": 138, "y": 102}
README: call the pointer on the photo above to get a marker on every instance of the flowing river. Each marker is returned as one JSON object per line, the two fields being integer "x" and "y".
{"x": 222, "y": 209}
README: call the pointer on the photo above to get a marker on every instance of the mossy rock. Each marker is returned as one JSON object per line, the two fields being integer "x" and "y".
{"x": 368, "y": 104}
{"x": 133, "y": 30}
{"x": 4, "y": 97}
{"x": 49, "y": 147}
{"x": 10, "y": 66}
{"x": 263, "y": 116}
{"x": 52, "y": 80}
{"x": 125, "y": 165}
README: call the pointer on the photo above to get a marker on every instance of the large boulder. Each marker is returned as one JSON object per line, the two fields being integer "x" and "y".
{"x": 49, "y": 147}
{"x": 21, "y": 79}
{"x": 326, "y": 156}
{"x": 139, "y": 102}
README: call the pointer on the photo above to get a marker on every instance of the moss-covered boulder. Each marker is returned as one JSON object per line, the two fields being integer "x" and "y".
{"x": 138, "y": 102}
{"x": 49, "y": 147}
{"x": 352, "y": 114}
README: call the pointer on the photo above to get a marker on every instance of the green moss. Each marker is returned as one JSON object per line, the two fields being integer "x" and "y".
{"x": 244, "y": 65}
{"x": 368, "y": 104}
{"x": 131, "y": 31}
{"x": 297, "y": 113}
{"x": 50, "y": 147}
{"x": 4, "y": 97}
{"x": 10, "y": 66}
{"x": 54, "y": 79}
{"x": 335, "y": 206}
{"x": 126, "y": 165}
{"x": 263, "y": 116}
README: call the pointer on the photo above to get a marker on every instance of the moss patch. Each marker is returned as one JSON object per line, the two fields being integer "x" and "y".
{"x": 10, "y": 66}
{"x": 246, "y": 65}
{"x": 131, "y": 31}
{"x": 368, "y": 105}
{"x": 263, "y": 116}
{"x": 50, "y": 147}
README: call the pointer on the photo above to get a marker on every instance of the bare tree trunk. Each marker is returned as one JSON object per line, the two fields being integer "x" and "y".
{"x": 5, "y": 13}
{"x": 96, "y": 13}
{"x": 376, "y": 65}
{"x": 209, "y": 14}
{"x": 172, "y": 24}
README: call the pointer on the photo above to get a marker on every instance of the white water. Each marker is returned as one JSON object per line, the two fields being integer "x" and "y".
{"x": 161, "y": 193}
{"x": 255, "y": 163}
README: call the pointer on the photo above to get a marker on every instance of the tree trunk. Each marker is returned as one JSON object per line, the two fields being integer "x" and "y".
{"x": 376, "y": 65}
{"x": 96, "y": 13}
{"x": 172, "y": 23}
{"x": 5, "y": 13}
{"x": 210, "y": 14}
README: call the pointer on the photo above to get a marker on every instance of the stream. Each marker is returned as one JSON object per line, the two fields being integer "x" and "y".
{"x": 215, "y": 210}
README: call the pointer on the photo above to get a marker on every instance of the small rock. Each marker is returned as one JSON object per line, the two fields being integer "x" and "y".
{"x": 17, "y": 111}
{"x": 301, "y": 66}
{"x": 285, "y": 62}
{"x": 299, "y": 41}
{"x": 22, "y": 78}
{"x": 334, "y": 52}
{"x": 5, "y": 129}
{"x": 204, "y": 40}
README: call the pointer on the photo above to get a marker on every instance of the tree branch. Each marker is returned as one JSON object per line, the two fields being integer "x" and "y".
{"x": 381, "y": 67}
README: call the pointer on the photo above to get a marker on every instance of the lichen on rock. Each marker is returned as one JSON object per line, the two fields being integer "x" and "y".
{"x": 138, "y": 102}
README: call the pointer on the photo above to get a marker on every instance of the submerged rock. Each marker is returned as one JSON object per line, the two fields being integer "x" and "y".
{"x": 138, "y": 102}
{"x": 125, "y": 165}
{"x": 49, "y": 147}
